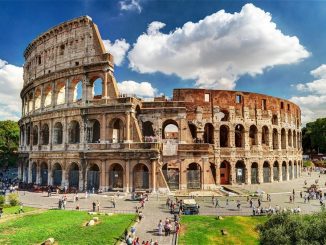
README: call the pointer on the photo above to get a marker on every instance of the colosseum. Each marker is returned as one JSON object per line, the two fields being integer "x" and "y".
{"x": 78, "y": 131}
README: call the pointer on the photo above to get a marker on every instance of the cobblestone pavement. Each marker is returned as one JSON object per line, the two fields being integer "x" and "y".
{"x": 155, "y": 208}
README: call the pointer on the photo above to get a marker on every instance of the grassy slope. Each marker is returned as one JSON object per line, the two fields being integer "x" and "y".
{"x": 13, "y": 210}
{"x": 207, "y": 230}
{"x": 65, "y": 226}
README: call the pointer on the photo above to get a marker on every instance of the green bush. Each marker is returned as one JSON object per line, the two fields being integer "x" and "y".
{"x": 307, "y": 163}
{"x": 13, "y": 199}
{"x": 2, "y": 200}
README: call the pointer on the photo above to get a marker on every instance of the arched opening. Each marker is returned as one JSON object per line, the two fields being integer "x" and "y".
{"x": 28, "y": 134}
{"x": 57, "y": 133}
{"x": 35, "y": 135}
{"x": 37, "y": 102}
{"x": 77, "y": 91}
{"x": 74, "y": 132}
{"x": 208, "y": 133}
{"x": 74, "y": 176}
{"x": 283, "y": 139}
{"x": 171, "y": 175}
{"x": 295, "y": 170}
{"x": 193, "y": 131}
{"x": 253, "y": 135}
{"x": 299, "y": 140}
{"x": 224, "y": 136}
{"x": 141, "y": 177}
{"x": 61, "y": 93}
{"x": 148, "y": 131}
{"x": 294, "y": 139}
{"x": 290, "y": 170}
{"x": 266, "y": 172}
{"x": 45, "y": 134}
{"x": 239, "y": 136}
{"x": 30, "y": 102}
{"x": 254, "y": 173}
{"x": 116, "y": 177}
{"x": 274, "y": 120}
{"x": 34, "y": 171}
{"x": 240, "y": 173}
{"x": 57, "y": 174}
{"x": 276, "y": 171}
{"x": 44, "y": 174}
{"x": 225, "y": 116}
{"x": 290, "y": 138}
{"x": 275, "y": 139}
{"x": 284, "y": 171}
{"x": 265, "y": 136}
{"x": 117, "y": 131}
{"x": 170, "y": 130}
{"x": 93, "y": 131}
{"x": 97, "y": 88}
{"x": 225, "y": 169}
{"x": 193, "y": 176}
{"x": 93, "y": 177}
{"x": 47, "y": 96}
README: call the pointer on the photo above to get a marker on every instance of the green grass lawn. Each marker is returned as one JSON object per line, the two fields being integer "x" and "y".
{"x": 13, "y": 210}
{"x": 66, "y": 227}
{"x": 206, "y": 230}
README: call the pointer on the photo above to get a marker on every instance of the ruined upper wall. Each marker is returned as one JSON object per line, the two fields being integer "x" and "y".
{"x": 70, "y": 44}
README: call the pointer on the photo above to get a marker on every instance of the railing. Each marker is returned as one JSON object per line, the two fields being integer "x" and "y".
{"x": 199, "y": 147}
{"x": 121, "y": 146}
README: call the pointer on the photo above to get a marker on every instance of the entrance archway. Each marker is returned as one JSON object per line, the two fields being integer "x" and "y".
{"x": 93, "y": 177}
{"x": 284, "y": 171}
{"x": 290, "y": 170}
{"x": 193, "y": 176}
{"x": 276, "y": 171}
{"x": 34, "y": 169}
{"x": 295, "y": 170}
{"x": 240, "y": 174}
{"x": 254, "y": 173}
{"x": 44, "y": 174}
{"x": 266, "y": 172}
{"x": 74, "y": 176}
{"x": 225, "y": 168}
{"x": 57, "y": 174}
{"x": 171, "y": 176}
{"x": 116, "y": 177}
{"x": 141, "y": 177}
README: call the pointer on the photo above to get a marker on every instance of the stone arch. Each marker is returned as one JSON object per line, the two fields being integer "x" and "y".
{"x": 93, "y": 131}
{"x": 276, "y": 170}
{"x": 77, "y": 90}
{"x": 57, "y": 174}
{"x": 194, "y": 176}
{"x": 34, "y": 172}
{"x": 117, "y": 130}
{"x": 226, "y": 115}
{"x": 265, "y": 136}
{"x": 266, "y": 172}
{"x": 148, "y": 130}
{"x": 47, "y": 96}
{"x": 35, "y": 135}
{"x": 290, "y": 170}
{"x": 283, "y": 139}
{"x": 57, "y": 133}
{"x": 37, "y": 99}
{"x": 116, "y": 176}
{"x": 171, "y": 176}
{"x": 274, "y": 119}
{"x": 254, "y": 173}
{"x": 93, "y": 177}
{"x": 170, "y": 129}
{"x": 193, "y": 131}
{"x": 44, "y": 174}
{"x": 74, "y": 132}
{"x": 45, "y": 134}
{"x": 97, "y": 88}
{"x": 294, "y": 139}
{"x": 239, "y": 136}
{"x": 290, "y": 138}
{"x": 141, "y": 177}
{"x": 295, "y": 170}
{"x": 60, "y": 93}
{"x": 73, "y": 177}
{"x": 275, "y": 139}
{"x": 253, "y": 135}
{"x": 240, "y": 172}
{"x": 284, "y": 171}
{"x": 208, "y": 133}
{"x": 28, "y": 133}
{"x": 225, "y": 170}
{"x": 224, "y": 136}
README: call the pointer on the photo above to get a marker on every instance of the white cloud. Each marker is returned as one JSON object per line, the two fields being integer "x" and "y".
{"x": 118, "y": 49}
{"x": 143, "y": 89}
{"x": 130, "y": 5}
{"x": 11, "y": 83}
{"x": 217, "y": 50}
{"x": 313, "y": 102}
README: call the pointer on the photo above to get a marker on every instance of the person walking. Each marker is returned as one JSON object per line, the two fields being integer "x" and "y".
{"x": 216, "y": 203}
{"x": 98, "y": 206}
{"x": 160, "y": 228}
{"x": 94, "y": 206}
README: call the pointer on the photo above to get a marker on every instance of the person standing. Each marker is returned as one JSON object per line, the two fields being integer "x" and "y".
{"x": 94, "y": 206}
{"x": 160, "y": 228}
{"x": 98, "y": 206}
{"x": 216, "y": 203}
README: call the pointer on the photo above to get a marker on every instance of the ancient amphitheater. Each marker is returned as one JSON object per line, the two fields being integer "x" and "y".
{"x": 78, "y": 131}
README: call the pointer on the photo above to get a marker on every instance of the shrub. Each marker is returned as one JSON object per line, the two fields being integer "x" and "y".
{"x": 13, "y": 199}
{"x": 2, "y": 200}
{"x": 307, "y": 163}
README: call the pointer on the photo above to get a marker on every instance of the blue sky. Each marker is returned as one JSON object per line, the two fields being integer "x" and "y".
{"x": 282, "y": 56}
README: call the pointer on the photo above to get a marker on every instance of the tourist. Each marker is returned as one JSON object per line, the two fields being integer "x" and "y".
{"x": 86, "y": 194}
{"x": 113, "y": 203}
{"x": 160, "y": 228}
{"x": 129, "y": 240}
{"x": 259, "y": 202}
{"x": 290, "y": 199}
{"x": 98, "y": 206}
{"x": 93, "y": 190}
{"x": 300, "y": 194}
{"x": 21, "y": 208}
{"x": 227, "y": 203}
{"x": 77, "y": 207}
{"x": 216, "y": 203}
{"x": 64, "y": 203}
{"x": 177, "y": 227}
{"x": 77, "y": 198}
{"x": 250, "y": 202}
{"x": 94, "y": 206}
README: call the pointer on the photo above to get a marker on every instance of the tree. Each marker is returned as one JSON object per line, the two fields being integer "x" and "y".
{"x": 314, "y": 136}
{"x": 9, "y": 141}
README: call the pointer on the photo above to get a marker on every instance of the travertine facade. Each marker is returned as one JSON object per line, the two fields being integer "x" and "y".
{"x": 81, "y": 137}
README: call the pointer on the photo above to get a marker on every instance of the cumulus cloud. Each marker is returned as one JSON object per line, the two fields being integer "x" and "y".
{"x": 142, "y": 89}
{"x": 130, "y": 5}
{"x": 118, "y": 49}
{"x": 217, "y": 50}
{"x": 313, "y": 100}
{"x": 11, "y": 82}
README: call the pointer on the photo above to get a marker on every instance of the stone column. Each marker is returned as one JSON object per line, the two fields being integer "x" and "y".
{"x": 231, "y": 138}
{"x": 127, "y": 136}
{"x": 247, "y": 173}
{"x": 50, "y": 178}
{"x": 153, "y": 165}
{"x": 30, "y": 171}
{"x": 260, "y": 172}
{"x": 38, "y": 172}
{"x": 287, "y": 171}
{"x": 67, "y": 86}
{"x": 128, "y": 177}
{"x": 131, "y": 178}
{"x": 272, "y": 172}
{"x": 84, "y": 89}
{"x": 280, "y": 171}
{"x": 104, "y": 85}
{"x": 53, "y": 102}
{"x": 103, "y": 129}
{"x": 232, "y": 173}
{"x": 103, "y": 171}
